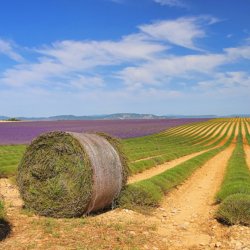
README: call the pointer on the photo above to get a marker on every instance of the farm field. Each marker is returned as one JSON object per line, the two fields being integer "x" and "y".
{"x": 24, "y": 132}
{"x": 181, "y": 179}
{"x": 13, "y": 135}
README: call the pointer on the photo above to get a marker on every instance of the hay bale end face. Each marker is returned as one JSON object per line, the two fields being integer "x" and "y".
{"x": 66, "y": 174}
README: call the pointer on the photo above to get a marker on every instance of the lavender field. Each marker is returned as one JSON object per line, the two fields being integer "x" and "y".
{"x": 24, "y": 132}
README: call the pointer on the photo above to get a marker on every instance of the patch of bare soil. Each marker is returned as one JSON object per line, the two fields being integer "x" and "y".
{"x": 247, "y": 152}
{"x": 10, "y": 194}
{"x": 244, "y": 135}
{"x": 236, "y": 132}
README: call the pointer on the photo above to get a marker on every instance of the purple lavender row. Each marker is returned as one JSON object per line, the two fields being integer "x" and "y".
{"x": 24, "y": 132}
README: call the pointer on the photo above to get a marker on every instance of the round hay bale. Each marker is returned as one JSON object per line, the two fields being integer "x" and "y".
{"x": 66, "y": 174}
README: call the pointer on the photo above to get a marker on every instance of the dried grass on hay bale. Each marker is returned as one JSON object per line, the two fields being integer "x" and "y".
{"x": 64, "y": 174}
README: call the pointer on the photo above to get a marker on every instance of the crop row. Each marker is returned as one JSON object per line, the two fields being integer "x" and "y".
{"x": 234, "y": 194}
{"x": 170, "y": 148}
{"x": 156, "y": 142}
{"x": 153, "y": 146}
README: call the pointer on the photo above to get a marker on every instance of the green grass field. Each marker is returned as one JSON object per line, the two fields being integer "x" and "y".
{"x": 9, "y": 159}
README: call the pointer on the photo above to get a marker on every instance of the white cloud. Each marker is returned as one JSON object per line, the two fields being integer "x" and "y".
{"x": 32, "y": 74}
{"x": 83, "y": 82}
{"x": 73, "y": 57}
{"x": 91, "y": 53}
{"x": 171, "y": 3}
{"x": 161, "y": 71}
{"x": 6, "y": 48}
{"x": 228, "y": 80}
{"x": 182, "y": 32}
{"x": 239, "y": 52}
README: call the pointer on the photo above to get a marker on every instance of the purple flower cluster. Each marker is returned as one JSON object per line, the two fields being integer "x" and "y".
{"x": 24, "y": 132}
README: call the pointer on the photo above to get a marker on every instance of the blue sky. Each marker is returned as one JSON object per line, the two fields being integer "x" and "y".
{"x": 86, "y": 57}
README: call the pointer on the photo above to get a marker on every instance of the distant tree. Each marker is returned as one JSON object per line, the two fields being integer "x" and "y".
{"x": 13, "y": 119}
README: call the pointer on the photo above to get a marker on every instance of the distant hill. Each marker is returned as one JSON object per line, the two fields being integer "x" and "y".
{"x": 118, "y": 116}
{"x": 191, "y": 116}
{"x": 239, "y": 115}
{"x": 3, "y": 117}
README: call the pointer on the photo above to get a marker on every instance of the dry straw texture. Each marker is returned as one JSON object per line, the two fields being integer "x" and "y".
{"x": 64, "y": 174}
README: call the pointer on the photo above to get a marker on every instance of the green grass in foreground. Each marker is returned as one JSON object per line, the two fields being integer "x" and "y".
{"x": 235, "y": 190}
{"x": 10, "y": 156}
{"x": 148, "y": 193}
{"x": 2, "y": 211}
{"x": 5, "y": 226}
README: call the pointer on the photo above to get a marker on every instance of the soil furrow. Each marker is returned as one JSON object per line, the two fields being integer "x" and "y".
{"x": 221, "y": 134}
{"x": 247, "y": 152}
{"x": 189, "y": 209}
{"x": 151, "y": 157}
{"x": 162, "y": 167}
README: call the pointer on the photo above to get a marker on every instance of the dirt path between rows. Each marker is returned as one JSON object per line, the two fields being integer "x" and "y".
{"x": 246, "y": 146}
{"x": 221, "y": 134}
{"x": 161, "y": 168}
{"x": 10, "y": 194}
{"x": 244, "y": 134}
{"x": 243, "y": 131}
{"x": 214, "y": 132}
{"x": 247, "y": 152}
{"x": 237, "y": 132}
{"x": 189, "y": 208}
